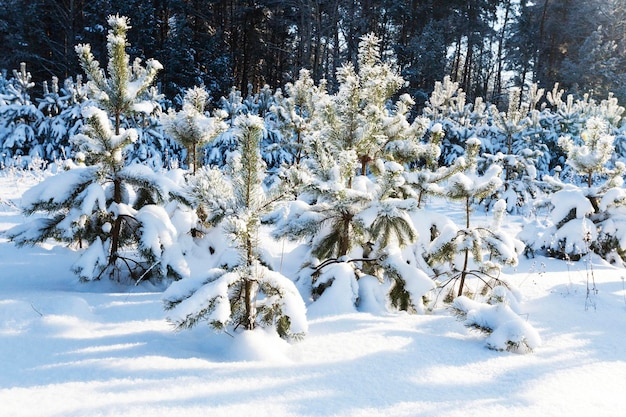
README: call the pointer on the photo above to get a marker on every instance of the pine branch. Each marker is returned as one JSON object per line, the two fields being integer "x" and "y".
{"x": 331, "y": 261}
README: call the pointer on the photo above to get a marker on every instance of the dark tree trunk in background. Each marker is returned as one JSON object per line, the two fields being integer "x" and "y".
{"x": 225, "y": 43}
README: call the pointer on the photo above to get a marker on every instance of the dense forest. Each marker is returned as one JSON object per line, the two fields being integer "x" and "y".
{"x": 484, "y": 45}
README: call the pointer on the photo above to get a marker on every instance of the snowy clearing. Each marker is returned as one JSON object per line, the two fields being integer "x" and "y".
{"x": 99, "y": 349}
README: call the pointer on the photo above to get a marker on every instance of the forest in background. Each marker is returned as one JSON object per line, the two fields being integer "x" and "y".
{"x": 484, "y": 45}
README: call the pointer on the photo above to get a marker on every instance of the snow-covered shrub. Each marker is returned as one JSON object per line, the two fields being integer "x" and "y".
{"x": 499, "y": 319}
{"x": 242, "y": 293}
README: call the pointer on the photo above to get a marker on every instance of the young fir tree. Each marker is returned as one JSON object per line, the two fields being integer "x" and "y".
{"x": 243, "y": 293}
{"x": 111, "y": 208}
{"x": 191, "y": 127}
{"x": 489, "y": 247}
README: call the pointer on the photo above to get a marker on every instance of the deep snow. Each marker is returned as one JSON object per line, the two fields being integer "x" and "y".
{"x": 99, "y": 349}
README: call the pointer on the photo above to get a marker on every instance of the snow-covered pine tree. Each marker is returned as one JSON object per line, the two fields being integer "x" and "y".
{"x": 490, "y": 248}
{"x": 232, "y": 105}
{"x": 19, "y": 118}
{"x": 61, "y": 107}
{"x": 220, "y": 148}
{"x": 153, "y": 147}
{"x": 295, "y": 111}
{"x": 106, "y": 205}
{"x": 58, "y": 129}
{"x": 276, "y": 148}
{"x": 353, "y": 208}
{"x": 563, "y": 116}
{"x": 259, "y": 103}
{"x": 243, "y": 293}
{"x": 51, "y": 105}
{"x": 512, "y": 147}
{"x": 425, "y": 170}
{"x": 191, "y": 127}
{"x": 587, "y": 214}
{"x": 460, "y": 120}
{"x": 356, "y": 118}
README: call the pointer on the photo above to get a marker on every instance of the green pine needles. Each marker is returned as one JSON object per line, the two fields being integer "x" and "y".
{"x": 245, "y": 294}
{"x": 108, "y": 208}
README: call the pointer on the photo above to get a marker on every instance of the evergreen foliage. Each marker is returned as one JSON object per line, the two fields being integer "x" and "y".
{"x": 517, "y": 147}
{"x": 585, "y": 214}
{"x": 244, "y": 294}
{"x": 19, "y": 118}
{"x": 345, "y": 168}
{"x": 190, "y": 126}
{"x": 498, "y": 319}
{"x": 489, "y": 247}
{"x": 107, "y": 206}
{"x": 349, "y": 211}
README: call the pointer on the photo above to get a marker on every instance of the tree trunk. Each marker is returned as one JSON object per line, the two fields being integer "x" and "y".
{"x": 466, "y": 260}
{"x": 344, "y": 242}
{"x": 497, "y": 91}
{"x": 364, "y": 162}
{"x": 117, "y": 224}
{"x": 194, "y": 157}
{"x": 463, "y": 273}
{"x": 117, "y": 198}
{"x": 249, "y": 290}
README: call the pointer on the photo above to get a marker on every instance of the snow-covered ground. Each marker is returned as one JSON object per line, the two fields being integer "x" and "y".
{"x": 71, "y": 349}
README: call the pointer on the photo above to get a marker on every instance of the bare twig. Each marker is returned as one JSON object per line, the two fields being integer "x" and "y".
{"x": 36, "y": 311}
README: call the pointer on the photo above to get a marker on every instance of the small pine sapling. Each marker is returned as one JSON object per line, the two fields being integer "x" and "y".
{"x": 191, "y": 127}
{"x": 19, "y": 119}
{"x": 113, "y": 209}
{"x": 421, "y": 178}
{"x": 296, "y": 111}
{"x": 588, "y": 213}
{"x": 243, "y": 294}
{"x": 461, "y": 121}
{"x": 53, "y": 127}
{"x": 352, "y": 208}
{"x": 513, "y": 147}
{"x": 488, "y": 247}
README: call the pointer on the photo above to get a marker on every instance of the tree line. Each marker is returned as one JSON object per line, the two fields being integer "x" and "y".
{"x": 484, "y": 45}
